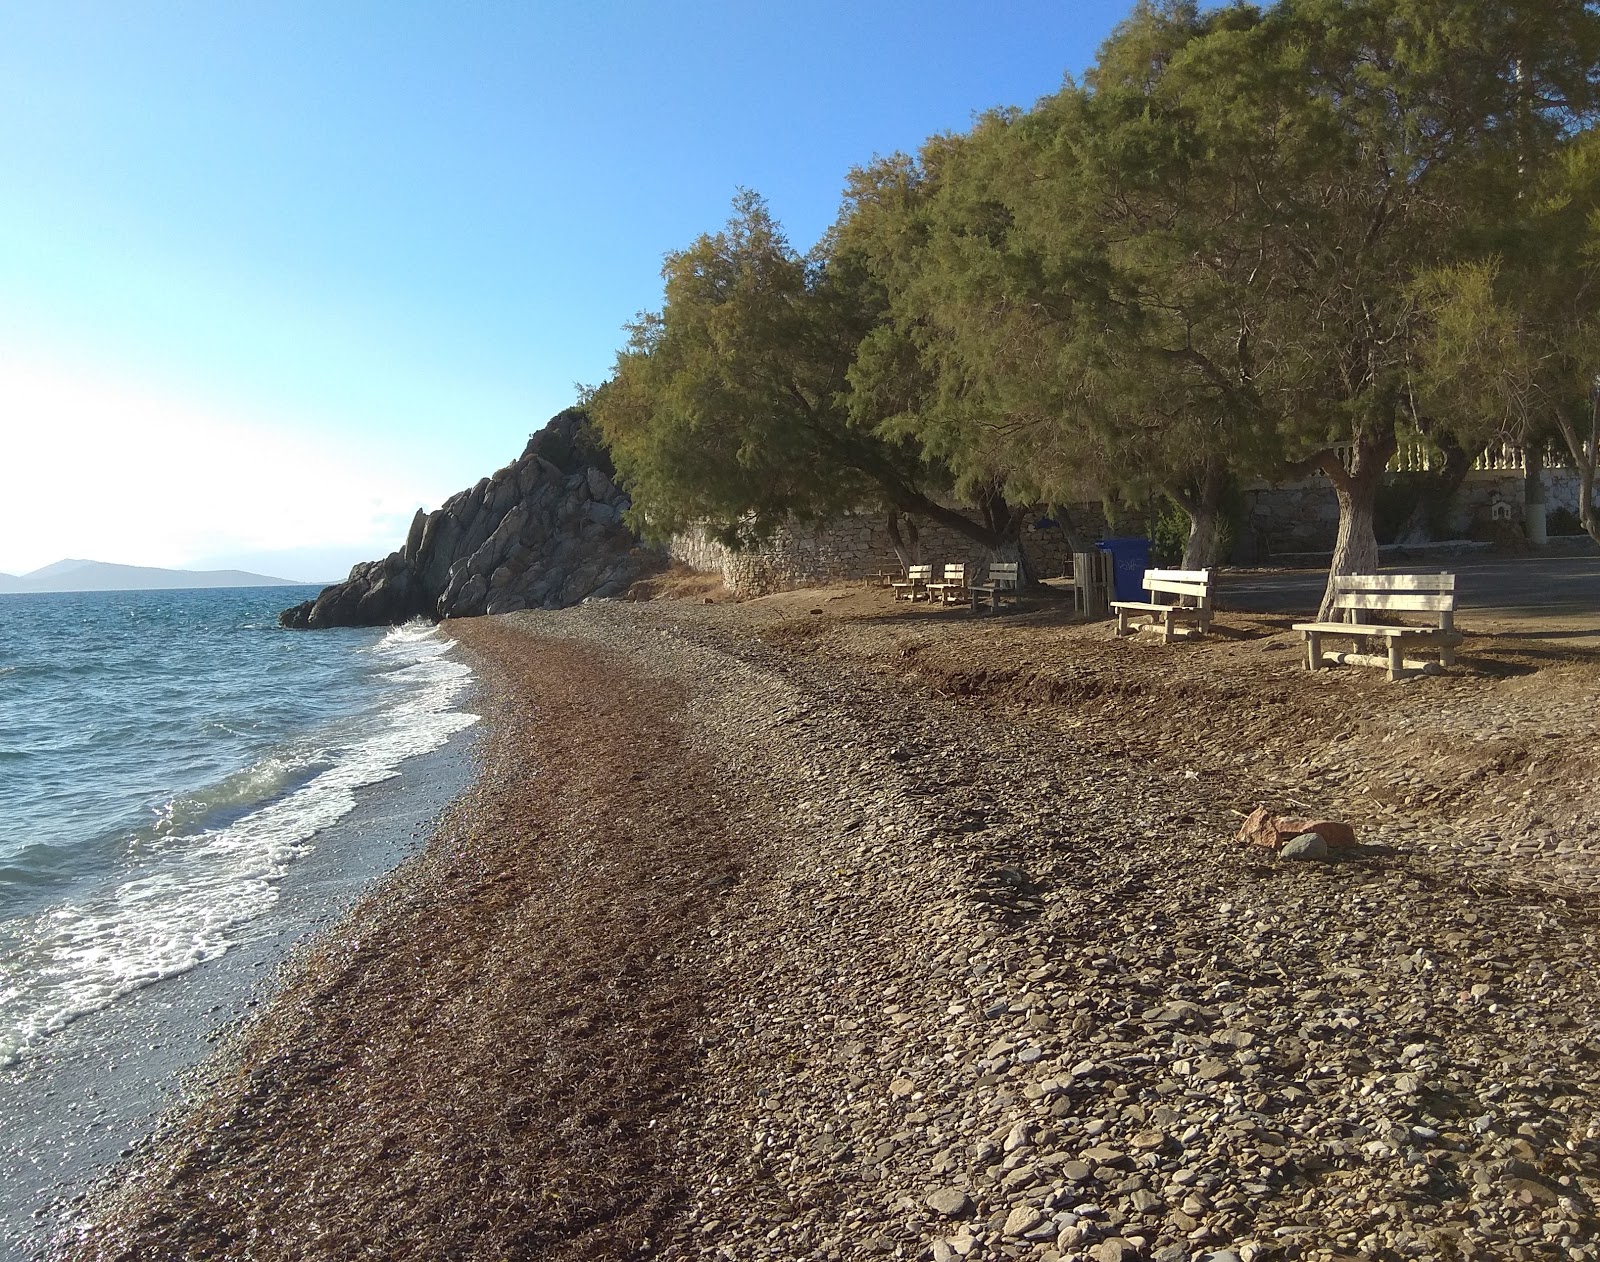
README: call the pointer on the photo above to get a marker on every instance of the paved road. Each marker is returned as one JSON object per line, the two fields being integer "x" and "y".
{"x": 1561, "y": 593}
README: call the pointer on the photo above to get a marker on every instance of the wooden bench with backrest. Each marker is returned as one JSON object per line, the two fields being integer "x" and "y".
{"x": 1188, "y": 600}
{"x": 952, "y": 589}
{"x": 1361, "y": 595}
{"x": 1001, "y": 581}
{"x": 914, "y": 586}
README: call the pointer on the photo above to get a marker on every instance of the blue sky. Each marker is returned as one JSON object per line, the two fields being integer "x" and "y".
{"x": 274, "y": 275}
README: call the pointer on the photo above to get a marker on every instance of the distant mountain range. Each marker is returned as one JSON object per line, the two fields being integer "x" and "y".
{"x": 102, "y": 576}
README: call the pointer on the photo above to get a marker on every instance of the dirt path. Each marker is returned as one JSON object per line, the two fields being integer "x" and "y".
{"x": 772, "y": 933}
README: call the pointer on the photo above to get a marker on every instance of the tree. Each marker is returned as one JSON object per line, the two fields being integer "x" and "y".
{"x": 1513, "y": 343}
{"x": 1361, "y": 137}
{"x": 1020, "y": 344}
{"x": 726, "y": 408}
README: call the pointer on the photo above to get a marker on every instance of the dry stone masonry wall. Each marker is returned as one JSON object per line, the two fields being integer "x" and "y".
{"x": 858, "y": 547}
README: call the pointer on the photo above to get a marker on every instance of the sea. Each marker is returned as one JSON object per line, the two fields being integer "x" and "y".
{"x": 166, "y": 758}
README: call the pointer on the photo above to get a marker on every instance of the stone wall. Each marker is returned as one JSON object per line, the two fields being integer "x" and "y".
{"x": 1304, "y": 516}
{"x": 858, "y": 547}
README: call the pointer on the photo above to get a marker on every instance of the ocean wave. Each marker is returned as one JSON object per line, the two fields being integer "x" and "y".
{"x": 217, "y": 855}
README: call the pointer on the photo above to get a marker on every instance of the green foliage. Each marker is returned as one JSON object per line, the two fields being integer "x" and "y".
{"x": 728, "y": 409}
{"x": 722, "y": 407}
{"x": 1169, "y": 535}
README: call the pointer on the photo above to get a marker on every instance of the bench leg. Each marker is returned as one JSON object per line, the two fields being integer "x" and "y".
{"x": 1447, "y": 655}
{"x": 1397, "y": 658}
{"x": 1122, "y": 622}
{"x": 1166, "y": 627}
{"x": 1313, "y": 650}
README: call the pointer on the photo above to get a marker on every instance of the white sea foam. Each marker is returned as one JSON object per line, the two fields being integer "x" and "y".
{"x": 191, "y": 891}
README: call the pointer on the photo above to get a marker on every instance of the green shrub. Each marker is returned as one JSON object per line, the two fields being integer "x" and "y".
{"x": 1169, "y": 535}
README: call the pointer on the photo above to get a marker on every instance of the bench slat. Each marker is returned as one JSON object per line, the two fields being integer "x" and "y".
{"x": 1180, "y": 611}
{"x": 1395, "y": 582}
{"x": 1361, "y": 628}
{"x": 1415, "y": 602}
{"x": 1176, "y": 588}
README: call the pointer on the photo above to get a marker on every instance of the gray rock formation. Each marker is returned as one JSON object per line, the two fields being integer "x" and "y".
{"x": 544, "y": 532}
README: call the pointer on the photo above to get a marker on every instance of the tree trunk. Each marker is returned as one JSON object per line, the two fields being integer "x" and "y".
{"x": 1077, "y": 541}
{"x": 1585, "y": 452}
{"x": 906, "y": 553}
{"x": 1533, "y": 518}
{"x": 1203, "y": 503}
{"x": 1355, "y": 551}
{"x": 1205, "y": 538}
{"x": 908, "y": 502}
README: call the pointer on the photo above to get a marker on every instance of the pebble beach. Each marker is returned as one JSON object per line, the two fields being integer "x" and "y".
{"x": 816, "y": 928}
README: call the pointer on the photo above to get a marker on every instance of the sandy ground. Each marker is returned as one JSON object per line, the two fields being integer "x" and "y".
{"x": 822, "y": 926}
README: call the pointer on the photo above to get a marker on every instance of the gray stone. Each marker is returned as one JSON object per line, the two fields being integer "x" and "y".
{"x": 1021, "y": 1220}
{"x": 949, "y": 1202}
{"x": 1305, "y": 846}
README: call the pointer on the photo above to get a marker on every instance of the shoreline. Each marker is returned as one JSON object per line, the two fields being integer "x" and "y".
{"x": 772, "y": 935}
{"x": 94, "y": 1093}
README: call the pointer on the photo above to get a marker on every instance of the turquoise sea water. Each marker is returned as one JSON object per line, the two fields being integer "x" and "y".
{"x": 164, "y": 756}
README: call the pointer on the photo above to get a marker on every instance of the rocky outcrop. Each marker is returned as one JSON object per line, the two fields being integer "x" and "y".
{"x": 544, "y": 532}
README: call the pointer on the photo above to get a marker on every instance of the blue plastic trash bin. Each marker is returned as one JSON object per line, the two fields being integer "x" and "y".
{"x": 1130, "y": 558}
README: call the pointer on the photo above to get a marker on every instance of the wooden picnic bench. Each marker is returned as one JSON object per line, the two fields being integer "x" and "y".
{"x": 1192, "y": 586}
{"x": 914, "y": 586}
{"x": 1000, "y": 581}
{"x": 1362, "y": 594}
{"x": 952, "y": 589}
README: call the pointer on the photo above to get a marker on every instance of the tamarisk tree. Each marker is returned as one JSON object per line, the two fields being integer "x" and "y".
{"x": 727, "y": 409}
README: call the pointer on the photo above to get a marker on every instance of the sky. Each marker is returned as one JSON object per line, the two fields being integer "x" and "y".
{"x": 275, "y": 275}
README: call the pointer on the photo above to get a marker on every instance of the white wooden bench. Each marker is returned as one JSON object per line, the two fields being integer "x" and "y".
{"x": 952, "y": 589}
{"x": 1190, "y": 602}
{"x": 914, "y": 586}
{"x": 1361, "y": 594}
{"x": 1000, "y": 581}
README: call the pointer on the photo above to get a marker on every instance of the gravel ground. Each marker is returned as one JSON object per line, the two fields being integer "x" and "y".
{"x": 817, "y": 927}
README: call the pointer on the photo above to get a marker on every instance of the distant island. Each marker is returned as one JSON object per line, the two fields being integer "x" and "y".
{"x": 103, "y": 576}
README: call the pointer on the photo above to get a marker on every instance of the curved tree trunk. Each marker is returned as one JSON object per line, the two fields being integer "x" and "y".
{"x": 1077, "y": 541}
{"x": 1355, "y": 551}
{"x": 907, "y": 553}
